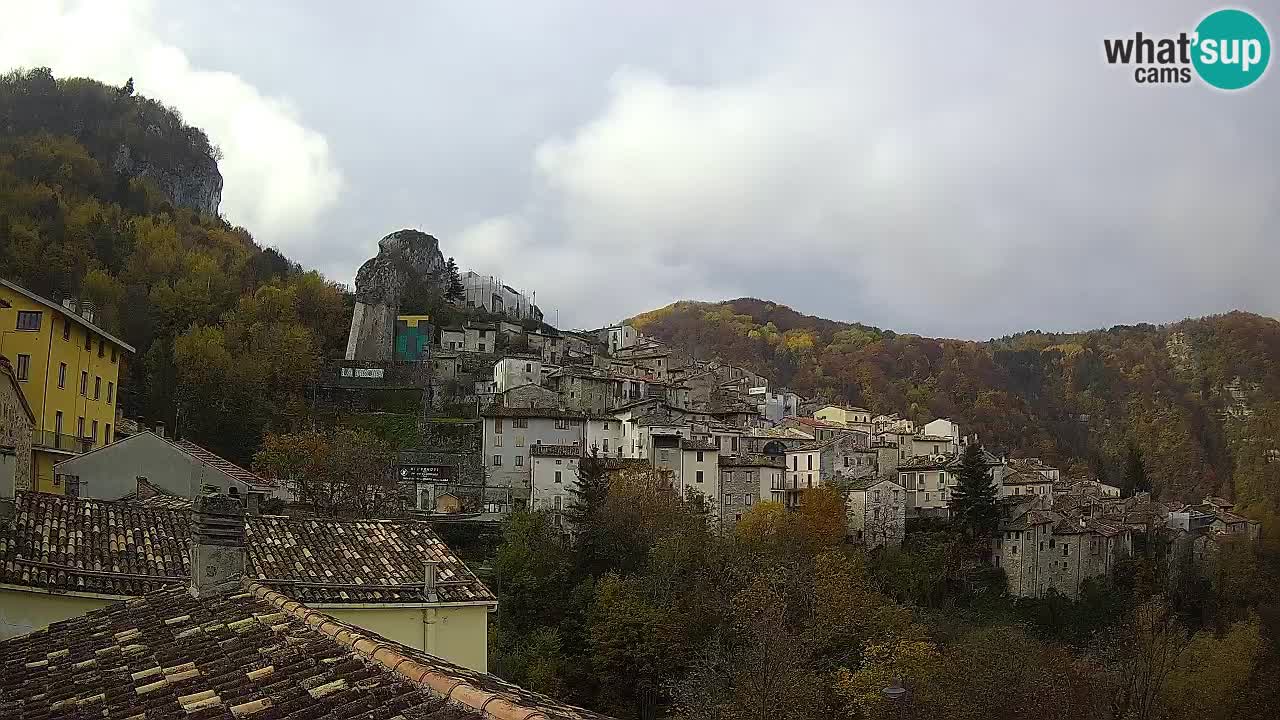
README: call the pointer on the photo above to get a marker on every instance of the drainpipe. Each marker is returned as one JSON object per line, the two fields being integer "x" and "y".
{"x": 429, "y": 614}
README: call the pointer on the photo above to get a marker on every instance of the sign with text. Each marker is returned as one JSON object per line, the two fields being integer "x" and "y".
{"x": 376, "y": 373}
{"x": 426, "y": 473}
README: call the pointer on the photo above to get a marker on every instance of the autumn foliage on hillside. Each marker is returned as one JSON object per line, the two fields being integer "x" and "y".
{"x": 1199, "y": 399}
{"x": 227, "y": 332}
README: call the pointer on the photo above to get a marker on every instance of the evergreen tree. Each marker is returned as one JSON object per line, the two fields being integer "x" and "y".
{"x": 1135, "y": 472}
{"x": 583, "y": 515}
{"x": 973, "y": 502}
{"x": 455, "y": 292}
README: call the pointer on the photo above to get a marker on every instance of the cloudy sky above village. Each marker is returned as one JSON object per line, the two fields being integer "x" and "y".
{"x": 918, "y": 166}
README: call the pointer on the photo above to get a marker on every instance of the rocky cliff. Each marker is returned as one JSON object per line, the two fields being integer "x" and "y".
{"x": 196, "y": 185}
{"x": 406, "y": 260}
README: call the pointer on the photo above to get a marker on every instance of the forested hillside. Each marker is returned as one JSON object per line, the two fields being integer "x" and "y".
{"x": 97, "y": 187}
{"x": 1198, "y": 400}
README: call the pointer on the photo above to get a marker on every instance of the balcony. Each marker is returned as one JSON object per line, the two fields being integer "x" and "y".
{"x": 49, "y": 440}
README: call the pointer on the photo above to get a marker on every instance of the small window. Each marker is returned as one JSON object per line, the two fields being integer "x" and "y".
{"x": 94, "y": 434}
{"x": 1051, "y": 543}
{"x": 519, "y": 461}
{"x": 528, "y": 367}
{"x": 698, "y": 476}
{"x": 88, "y": 340}
{"x": 111, "y": 389}
{"x": 97, "y": 387}
{"x": 728, "y": 499}
{"x": 113, "y": 354}
{"x": 699, "y": 456}
{"x": 66, "y": 328}
{"x": 1013, "y": 549}
{"x": 106, "y": 435}
{"x": 810, "y": 461}
{"x": 557, "y": 476}
{"x": 102, "y": 347}
{"x": 1066, "y": 550}
{"x": 23, "y": 370}
{"x": 80, "y": 427}
{"x": 233, "y": 491}
{"x": 28, "y": 320}
{"x": 62, "y": 375}
{"x": 497, "y": 425}
{"x": 84, "y": 382}
{"x": 497, "y": 461}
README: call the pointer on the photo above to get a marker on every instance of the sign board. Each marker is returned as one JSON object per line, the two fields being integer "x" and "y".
{"x": 426, "y": 473}
{"x": 757, "y": 391}
{"x": 376, "y": 373}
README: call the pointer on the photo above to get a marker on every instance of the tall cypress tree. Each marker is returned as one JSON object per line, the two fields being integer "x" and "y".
{"x": 1135, "y": 472}
{"x": 583, "y": 515}
{"x": 454, "y": 293}
{"x": 973, "y": 502}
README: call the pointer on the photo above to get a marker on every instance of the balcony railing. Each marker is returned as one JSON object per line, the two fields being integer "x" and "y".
{"x": 49, "y": 440}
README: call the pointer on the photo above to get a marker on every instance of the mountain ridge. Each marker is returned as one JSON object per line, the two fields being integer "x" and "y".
{"x": 1198, "y": 398}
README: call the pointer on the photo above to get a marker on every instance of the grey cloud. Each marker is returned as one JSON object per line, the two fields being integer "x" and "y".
{"x": 930, "y": 168}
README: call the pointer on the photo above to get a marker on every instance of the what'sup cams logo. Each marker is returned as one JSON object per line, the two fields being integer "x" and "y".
{"x": 1229, "y": 50}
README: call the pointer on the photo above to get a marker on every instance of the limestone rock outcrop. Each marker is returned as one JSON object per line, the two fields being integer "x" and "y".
{"x": 405, "y": 259}
{"x": 196, "y": 185}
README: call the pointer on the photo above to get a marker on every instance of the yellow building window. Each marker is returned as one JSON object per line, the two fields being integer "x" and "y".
{"x": 62, "y": 375}
{"x": 84, "y": 382}
{"x": 28, "y": 321}
{"x": 24, "y": 367}
{"x": 97, "y": 388}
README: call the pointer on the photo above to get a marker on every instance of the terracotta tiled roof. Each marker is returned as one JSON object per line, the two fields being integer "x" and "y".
{"x": 750, "y": 460}
{"x": 1024, "y": 477}
{"x": 326, "y": 560}
{"x": 93, "y": 546}
{"x": 617, "y": 463}
{"x": 226, "y": 466}
{"x": 927, "y": 462}
{"x": 121, "y": 548}
{"x": 252, "y": 654}
{"x": 148, "y": 494}
{"x": 519, "y": 412}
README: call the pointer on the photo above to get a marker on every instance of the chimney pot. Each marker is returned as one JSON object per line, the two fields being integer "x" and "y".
{"x": 160, "y": 429}
{"x": 429, "y": 584}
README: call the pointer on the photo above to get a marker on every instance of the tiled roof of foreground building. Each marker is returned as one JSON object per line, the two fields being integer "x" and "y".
{"x": 255, "y": 654}
{"x": 119, "y": 548}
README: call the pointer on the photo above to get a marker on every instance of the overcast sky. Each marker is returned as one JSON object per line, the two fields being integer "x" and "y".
{"x": 915, "y": 166}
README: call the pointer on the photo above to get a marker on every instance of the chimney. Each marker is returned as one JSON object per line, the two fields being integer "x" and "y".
{"x": 429, "y": 584}
{"x": 160, "y": 429}
{"x": 8, "y": 485}
{"x": 217, "y": 545}
{"x": 251, "y": 504}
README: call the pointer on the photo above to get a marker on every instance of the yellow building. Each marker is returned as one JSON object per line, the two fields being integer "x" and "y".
{"x": 70, "y": 372}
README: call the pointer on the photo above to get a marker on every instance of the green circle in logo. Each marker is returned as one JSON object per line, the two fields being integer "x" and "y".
{"x": 1231, "y": 50}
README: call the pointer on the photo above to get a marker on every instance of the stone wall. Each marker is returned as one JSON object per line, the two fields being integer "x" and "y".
{"x": 737, "y": 482}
